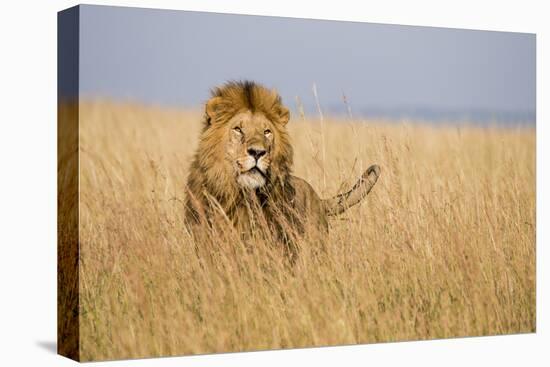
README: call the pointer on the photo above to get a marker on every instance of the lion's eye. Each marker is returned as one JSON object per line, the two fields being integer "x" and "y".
{"x": 267, "y": 132}
{"x": 237, "y": 130}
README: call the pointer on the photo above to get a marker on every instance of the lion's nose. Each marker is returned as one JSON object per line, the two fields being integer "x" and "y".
{"x": 256, "y": 152}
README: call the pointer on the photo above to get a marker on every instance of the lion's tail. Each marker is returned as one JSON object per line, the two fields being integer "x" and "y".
{"x": 340, "y": 203}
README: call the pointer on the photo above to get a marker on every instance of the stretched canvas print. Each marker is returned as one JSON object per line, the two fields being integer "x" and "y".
{"x": 232, "y": 183}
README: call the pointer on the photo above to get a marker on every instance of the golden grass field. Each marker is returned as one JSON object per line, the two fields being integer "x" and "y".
{"x": 444, "y": 245}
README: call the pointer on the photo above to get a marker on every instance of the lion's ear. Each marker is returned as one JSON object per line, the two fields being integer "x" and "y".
{"x": 213, "y": 107}
{"x": 284, "y": 115}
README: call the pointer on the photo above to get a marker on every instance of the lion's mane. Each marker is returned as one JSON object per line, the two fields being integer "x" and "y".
{"x": 210, "y": 180}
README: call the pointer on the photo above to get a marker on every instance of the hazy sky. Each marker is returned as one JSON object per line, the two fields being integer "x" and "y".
{"x": 175, "y": 57}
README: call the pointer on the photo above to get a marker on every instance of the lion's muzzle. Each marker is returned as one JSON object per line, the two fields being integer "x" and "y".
{"x": 252, "y": 168}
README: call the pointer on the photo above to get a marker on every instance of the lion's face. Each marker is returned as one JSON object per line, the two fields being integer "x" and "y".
{"x": 251, "y": 137}
{"x": 244, "y": 144}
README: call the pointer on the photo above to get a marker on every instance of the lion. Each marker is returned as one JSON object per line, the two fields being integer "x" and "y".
{"x": 241, "y": 172}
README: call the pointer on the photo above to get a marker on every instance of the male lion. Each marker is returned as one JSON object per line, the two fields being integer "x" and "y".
{"x": 241, "y": 172}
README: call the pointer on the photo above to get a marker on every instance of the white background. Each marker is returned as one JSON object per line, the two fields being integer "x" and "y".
{"x": 28, "y": 181}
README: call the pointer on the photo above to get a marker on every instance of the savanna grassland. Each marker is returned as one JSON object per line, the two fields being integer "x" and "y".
{"x": 444, "y": 245}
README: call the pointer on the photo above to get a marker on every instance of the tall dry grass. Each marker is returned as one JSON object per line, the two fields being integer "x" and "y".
{"x": 444, "y": 246}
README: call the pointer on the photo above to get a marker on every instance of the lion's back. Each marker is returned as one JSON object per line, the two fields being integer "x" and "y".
{"x": 308, "y": 203}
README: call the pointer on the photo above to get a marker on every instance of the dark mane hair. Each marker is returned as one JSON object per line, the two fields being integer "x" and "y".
{"x": 247, "y": 95}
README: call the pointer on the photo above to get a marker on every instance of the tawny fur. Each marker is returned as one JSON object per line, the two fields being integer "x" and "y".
{"x": 238, "y": 116}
